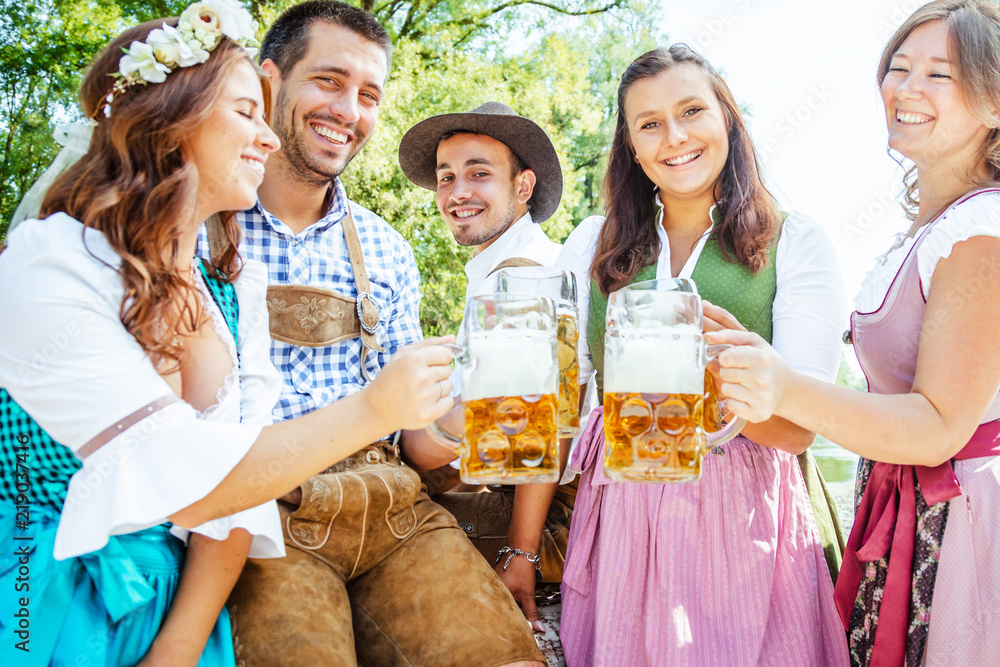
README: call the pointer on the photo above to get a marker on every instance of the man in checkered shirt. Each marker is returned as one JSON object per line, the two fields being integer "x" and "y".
{"x": 376, "y": 573}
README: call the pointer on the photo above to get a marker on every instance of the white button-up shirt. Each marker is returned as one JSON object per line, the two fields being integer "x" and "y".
{"x": 522, "y": 239}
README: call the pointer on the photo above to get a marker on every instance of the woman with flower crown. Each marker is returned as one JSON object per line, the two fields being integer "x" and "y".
{"x": 920, "y": 583}
{"x": 137, "y": 385}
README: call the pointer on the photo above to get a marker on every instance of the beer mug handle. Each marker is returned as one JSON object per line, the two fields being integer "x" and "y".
{"x": 726, "y": 433}
{"x": 458, "y": 353}
{"x": 733, "y": 428}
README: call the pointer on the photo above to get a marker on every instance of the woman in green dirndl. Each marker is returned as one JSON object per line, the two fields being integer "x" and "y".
{"x": 736, "y": 567}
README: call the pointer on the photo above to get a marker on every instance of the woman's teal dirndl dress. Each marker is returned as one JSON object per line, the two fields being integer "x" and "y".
{"x": 100, "y": 609}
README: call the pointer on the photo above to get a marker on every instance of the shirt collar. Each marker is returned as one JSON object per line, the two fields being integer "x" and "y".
{"x": 663, "y": 269}
{"x": 659, "y": 213}
{"x": 336, "y": 212}
{"x": 484, "y": 261}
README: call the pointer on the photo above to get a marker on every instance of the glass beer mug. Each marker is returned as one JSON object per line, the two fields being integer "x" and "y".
{"x": 560, "y": 286}
{"x": 660, "y": 411}
{"x": 509, "y": 391}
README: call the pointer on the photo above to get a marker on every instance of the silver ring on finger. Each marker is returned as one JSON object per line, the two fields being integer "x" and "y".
{"x": 441, "y": 389}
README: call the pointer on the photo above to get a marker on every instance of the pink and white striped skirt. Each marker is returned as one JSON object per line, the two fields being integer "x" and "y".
{"x": 724, "y": 571}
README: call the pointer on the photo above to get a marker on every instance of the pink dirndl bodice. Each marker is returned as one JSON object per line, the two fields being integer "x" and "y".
{"x": 887, "y": 342}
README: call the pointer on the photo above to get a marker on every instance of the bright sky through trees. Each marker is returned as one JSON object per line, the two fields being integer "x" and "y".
{"x": 807, "y": 72}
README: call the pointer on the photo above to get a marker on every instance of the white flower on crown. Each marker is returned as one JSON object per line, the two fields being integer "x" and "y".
{"x": 171, "y": 49}
{"x": 235, "y": 22}
{"x": 200, "y": 28}
{"x": 140, "y": 60}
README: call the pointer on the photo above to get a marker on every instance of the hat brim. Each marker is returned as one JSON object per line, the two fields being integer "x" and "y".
{"x": 418, "y": 152}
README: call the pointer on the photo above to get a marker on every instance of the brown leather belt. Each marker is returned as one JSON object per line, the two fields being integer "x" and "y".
{"x": 381, "y": 451}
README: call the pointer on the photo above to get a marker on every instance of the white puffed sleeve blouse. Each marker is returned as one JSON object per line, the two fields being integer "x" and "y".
{"x": 978, "y": 216}
{"x": 810, "y": 306}
{"x": 68, "y": 361}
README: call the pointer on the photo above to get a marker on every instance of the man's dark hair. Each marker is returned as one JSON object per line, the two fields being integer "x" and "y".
{"x": 517, "y": 165}
{"x": 287, "y": 39}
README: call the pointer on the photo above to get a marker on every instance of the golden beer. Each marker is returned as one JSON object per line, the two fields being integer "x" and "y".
{"x": 559, "y": 285}
{"x": 713, "y": 408}
{"x": 569, "y": 375}
{"x": 511, "y": 407}
{"x": 511, "y": 439}
{"x": 661, "y": 410}
{"x": 653, "y": 437}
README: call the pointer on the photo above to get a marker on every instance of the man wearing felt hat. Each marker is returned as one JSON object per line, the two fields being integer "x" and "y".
{"x": 496, "y": 176}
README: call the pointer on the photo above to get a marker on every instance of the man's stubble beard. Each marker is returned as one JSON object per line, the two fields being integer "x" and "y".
{"x": 487, "y": 234}
{"x": 302, "y": 167}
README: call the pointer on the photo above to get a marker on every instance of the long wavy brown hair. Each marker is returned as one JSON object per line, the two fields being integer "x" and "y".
{"x": 628, "y": 239}
{"x": 974, "y": 45}
{"x": 137, "y": 186}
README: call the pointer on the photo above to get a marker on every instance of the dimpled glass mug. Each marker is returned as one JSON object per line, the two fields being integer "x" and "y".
{"x": 656, "y": 386}
{"x": 510, "y": 376}
{"x": 560, "y": 286}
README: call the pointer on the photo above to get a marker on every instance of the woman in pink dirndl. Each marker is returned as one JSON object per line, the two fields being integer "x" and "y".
{"x": 920, "y": 583}
{"x": 728, "y": 570}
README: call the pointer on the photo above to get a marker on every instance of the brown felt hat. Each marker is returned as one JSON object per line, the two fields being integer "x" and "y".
{"x": 418, "y": 150}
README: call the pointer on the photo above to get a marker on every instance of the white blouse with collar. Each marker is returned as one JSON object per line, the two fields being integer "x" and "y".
{"x": 68, "y": 361}
{"x": 809, "y": 312}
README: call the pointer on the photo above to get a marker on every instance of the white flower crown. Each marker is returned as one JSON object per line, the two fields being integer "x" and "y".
{"x": 199, "y": 30}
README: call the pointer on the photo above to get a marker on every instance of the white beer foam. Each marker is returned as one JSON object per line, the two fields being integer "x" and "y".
{"x": 659, "y": 362}
{"x": 510, "y": 362}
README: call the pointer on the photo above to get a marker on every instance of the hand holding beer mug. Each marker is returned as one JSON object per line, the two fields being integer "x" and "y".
{"x": 509, "y": 381}
{"x": 656, "y": 385}
{"x": 560, "y": 286}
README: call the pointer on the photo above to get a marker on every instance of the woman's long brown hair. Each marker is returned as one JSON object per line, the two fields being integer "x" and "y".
{"x": 137, "y": 186}
{"x": 628, "y": 239}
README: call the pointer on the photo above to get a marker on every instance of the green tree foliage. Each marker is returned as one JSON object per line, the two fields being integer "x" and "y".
{"x": 39, "y": 72}
{"x": 560, "y": 82}
{"x": 45, "y": 47}
{"x": 556, "y": 62}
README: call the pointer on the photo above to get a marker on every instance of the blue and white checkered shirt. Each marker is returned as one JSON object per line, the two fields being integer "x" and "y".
{"x": 317, "y": 376}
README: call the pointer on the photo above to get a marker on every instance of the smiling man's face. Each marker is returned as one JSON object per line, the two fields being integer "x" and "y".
{"x": 480, "y": 193}
{"x": 326, "y": 106}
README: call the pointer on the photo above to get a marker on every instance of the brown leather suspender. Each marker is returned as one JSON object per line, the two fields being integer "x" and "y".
{"x": 514, "y": 261}
{"x": 312, "y": 316}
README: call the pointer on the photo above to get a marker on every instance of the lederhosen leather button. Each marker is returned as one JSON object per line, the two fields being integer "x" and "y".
{"x": 372, "y": 457}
